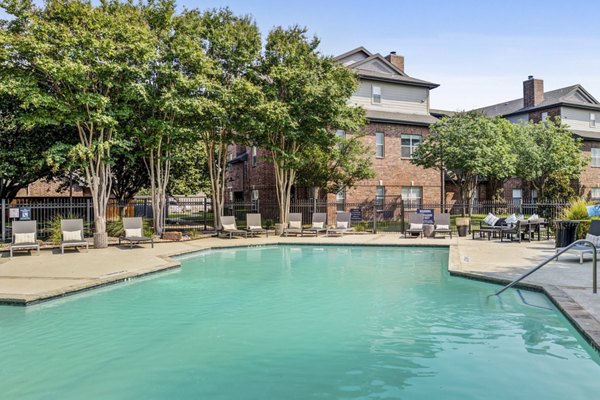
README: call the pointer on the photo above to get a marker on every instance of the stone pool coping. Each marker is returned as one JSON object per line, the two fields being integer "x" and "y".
{"x": 28, "y": 280}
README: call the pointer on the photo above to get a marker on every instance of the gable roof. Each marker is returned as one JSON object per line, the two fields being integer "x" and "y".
{"x": 377, "y": 67}
{"x": 574, "y": 95}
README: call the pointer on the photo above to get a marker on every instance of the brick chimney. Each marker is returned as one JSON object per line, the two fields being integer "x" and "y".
{"x": 533, "y": 92}
{"x": 395, "y": 59}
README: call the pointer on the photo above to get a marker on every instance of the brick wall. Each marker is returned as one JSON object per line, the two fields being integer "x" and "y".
{"x": 392, "y": 170}
{"x": 51, "y": 188}
{"x": 536, "y": 116}
{"x": 590, "y": 177}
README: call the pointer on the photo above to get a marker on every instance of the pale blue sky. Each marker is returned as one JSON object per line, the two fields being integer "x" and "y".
{"x": 478, "y": 51}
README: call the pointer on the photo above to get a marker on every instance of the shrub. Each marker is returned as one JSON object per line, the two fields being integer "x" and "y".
{"x": 577, "y": 211}
{"x": 115, "y": 228}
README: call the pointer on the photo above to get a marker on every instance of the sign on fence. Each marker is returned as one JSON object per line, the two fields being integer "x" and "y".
{"x": 25, "y": 214}
{"x": 13, "y": 213}
{"x": 355, "y": 214}
{"x": 427, "y": 214}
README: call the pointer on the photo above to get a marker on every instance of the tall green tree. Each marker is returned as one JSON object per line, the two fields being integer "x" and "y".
{"x": 469, "y": 147}
{"x": 306, "y": 97}
{"x": 22, "y": 150}
{"x": 232, "y": 44}
{"x": 190, "y": 171}
{"x": 338, "y": 167}
{"x": 75, "y": 64}
{"x": 548, "y": 152}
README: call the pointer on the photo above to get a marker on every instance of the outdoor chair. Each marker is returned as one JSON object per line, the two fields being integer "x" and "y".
{"x": 254, "y": 224}
{"x": 319, "y": 221}
{"x": 519, "y": 229}
{"x": 442, "y": 225}
{"x": 294, "y": 224}
{"x": 24, "y": 236}
{"x": 485, "y": 229}
{"x": 229, "y": 227}
{"x": 415, "y": 225}
{"x": 134, "y": 232}
{"x": 72, "y": 234}
{"x": 581, "y": 249}
{"x": 342, "y": 224}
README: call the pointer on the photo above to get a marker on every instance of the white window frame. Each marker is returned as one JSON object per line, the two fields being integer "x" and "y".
{"x": 413, "y": 195}
{"x": 592, "y": 120}
{"x": 375, "y": 94}
{"x": 517, "y": 200}
{"x": 379, "y": 147}
{"x": 254, "y": 156}
{"x": 597, "y": 191}
{"x": 411, "y": 146}
{"x": 595, "y": 157}
{"x": 340, "y": 199}
{"x": 544, "y": 116}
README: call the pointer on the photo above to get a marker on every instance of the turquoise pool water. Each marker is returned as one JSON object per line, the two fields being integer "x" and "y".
{"x": 297, "y": 323}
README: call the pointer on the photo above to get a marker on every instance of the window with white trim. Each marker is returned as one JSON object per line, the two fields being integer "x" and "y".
{"x": 340, "y": 199}
{"x": 379, "y": 145}
{"x": 376, "y": 94}
{"x": 412, "y": 196}
{"x": 595, "y": 194}
{"x": 595, "y": 157}
{"x": 408, "y": 145}
{"x": 534, "y": 196}
{"x": 544, "y": 116}
{"x": 379, "y": 194}
{"x": 254, "y": 156}
{"x": 517, "y": 196}
{"x": 592, "y": 120}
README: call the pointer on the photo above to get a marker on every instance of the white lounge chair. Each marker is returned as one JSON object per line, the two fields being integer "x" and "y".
{"x": 343, "y": 221}
{"x": 319, "y": 224}
{"x": 229, "y": 227}
{"x": 254, "y": 224}
{"x": 72, "y": 234}
{"x": 294, "y": 224}
{"x": 134, "y": 232}
{"x": 24, "y": 236}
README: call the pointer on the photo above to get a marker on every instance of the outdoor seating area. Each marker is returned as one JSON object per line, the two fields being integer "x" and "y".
{"x": 512, "y": 228}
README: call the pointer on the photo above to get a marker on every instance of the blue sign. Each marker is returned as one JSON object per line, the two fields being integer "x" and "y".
{"x": 24, "y": 214}
{"x": 427, "y": 214}
{"x": 355, "y": 214}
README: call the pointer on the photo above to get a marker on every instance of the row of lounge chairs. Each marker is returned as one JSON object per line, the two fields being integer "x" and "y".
{"x": 319, "y": 225}
{"x": 24, "y": 234}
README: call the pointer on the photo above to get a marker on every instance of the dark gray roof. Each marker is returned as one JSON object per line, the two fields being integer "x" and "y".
{"x": 397, "y": 75}
{"x": 563, "y": 96}
{"x": 382, "y": 76}
{"x": 395, "y": 117}
{"x": 442, "y": 113}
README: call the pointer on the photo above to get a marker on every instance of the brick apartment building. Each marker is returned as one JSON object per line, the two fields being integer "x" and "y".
{"x": 398, "y": 115}
{"x": 577, "y": 108}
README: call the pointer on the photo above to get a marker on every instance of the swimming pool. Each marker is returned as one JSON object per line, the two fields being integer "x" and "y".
{"x": 297, "y": 322}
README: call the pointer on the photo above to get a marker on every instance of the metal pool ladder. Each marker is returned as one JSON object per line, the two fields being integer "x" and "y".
{"x": 540, "y": 265}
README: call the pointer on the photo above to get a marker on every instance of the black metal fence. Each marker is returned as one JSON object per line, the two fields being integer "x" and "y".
{"x": 189, "y": 214}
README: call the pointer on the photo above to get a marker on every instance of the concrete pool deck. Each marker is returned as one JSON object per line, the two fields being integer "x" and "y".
{"x": 28, "y": 279}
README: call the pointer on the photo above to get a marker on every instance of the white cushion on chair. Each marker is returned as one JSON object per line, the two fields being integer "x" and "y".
{"x": 137, "y": 232}
{"x": 592, "y": 238}
{"x": 317, "y": 225}
{"x": 256, "y": 227}
{"x": 341, "y": 225}
{"x": 22, "y": 238}
{"x": 491, "y": 219}
{"x": 512, "y": 219}
{"x": 442, "y": 227}
{"x": 416, "y": 226}
{"x": 229, "y": 227}
{"x": 71, "y": 236}
{"x": 295, "y": 224}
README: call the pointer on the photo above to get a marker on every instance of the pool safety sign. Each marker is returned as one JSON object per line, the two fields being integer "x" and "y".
{"x": 427, "y": 214}
{"x": 13, "y": 213}
{"x": 25, "y": 214}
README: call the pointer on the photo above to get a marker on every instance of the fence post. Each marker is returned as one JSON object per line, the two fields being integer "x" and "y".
{"x": 205, "y": 211}
{"x": 374, "y": 217}
{"x": 88, "y": 212}
{"x": 3, "y": 215}
{"x": 402, "y": 226}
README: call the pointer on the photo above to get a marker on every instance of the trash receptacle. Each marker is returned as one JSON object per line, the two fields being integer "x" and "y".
{"x": 566, "y": 233}
{"x": 463, "y": 230}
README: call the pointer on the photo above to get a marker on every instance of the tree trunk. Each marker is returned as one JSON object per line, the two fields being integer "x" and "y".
{"x": 216, "y": 150}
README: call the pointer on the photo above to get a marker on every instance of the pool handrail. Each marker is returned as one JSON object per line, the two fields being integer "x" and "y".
{"x": 540, "y": 265}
